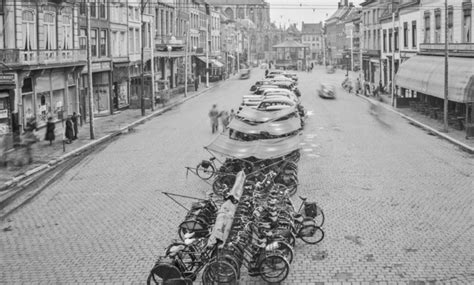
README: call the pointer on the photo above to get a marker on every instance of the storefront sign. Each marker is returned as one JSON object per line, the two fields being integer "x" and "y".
{"x": 7, "y": 79}
{"x": 3, "y": 114}
{"x": 98, "y": 66}
{"x": 3, "y": 129}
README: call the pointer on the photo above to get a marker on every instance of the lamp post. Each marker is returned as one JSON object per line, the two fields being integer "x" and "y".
{"x": 169, "y": 48}
{"x": 445, "y": 113}
{"x": 347, "y": 64}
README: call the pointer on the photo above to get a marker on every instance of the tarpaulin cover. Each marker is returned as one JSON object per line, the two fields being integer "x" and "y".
{"x": 261, "y": 149}
{"x": 276, "y": 128}
{"x": 225, "y": 215}
{"x": 253, "y": 115}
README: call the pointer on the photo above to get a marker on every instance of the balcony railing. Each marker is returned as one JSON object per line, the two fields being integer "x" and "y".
{"x": 21, "y": 57}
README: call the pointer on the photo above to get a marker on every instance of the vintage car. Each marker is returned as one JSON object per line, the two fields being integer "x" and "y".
{"x": 327, "y": 91}
{"x": 244, "y": 73}
{"x": 275, "y": 103}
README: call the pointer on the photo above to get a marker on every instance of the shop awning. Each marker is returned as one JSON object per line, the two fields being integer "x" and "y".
{"x": 257, "y": 116}
{"x": 425, "y": 74}
{"x": 216, "y": 63}
{"x": 260, "y": 149}
{"x": 278, "y": 128}
{"x": 4, "y": 95}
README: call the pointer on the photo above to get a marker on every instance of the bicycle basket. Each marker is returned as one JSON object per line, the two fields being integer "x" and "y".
{"x": 205, "y": 163}
{"x": 311, "y": 209}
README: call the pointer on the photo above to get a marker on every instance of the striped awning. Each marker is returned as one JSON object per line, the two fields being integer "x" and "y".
{"x": 425, "y": 74}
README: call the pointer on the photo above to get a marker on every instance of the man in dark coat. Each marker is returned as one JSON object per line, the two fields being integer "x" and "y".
{"x": 69, "y": 133}
{"x": 50, "y": 126}
{"x": 196, "y": 84}
{"x": 74, "y": 120}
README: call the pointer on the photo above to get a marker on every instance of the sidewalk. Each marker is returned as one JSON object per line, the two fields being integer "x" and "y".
{"x": 104, "y": 127}
{"x": 433, "y": 126}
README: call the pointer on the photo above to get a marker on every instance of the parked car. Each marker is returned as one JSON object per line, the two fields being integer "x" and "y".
{"x": 276, "y": 103}
{"x": 327, "y": 91}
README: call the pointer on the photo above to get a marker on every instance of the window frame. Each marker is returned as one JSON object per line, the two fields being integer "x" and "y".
{"x": 93, "y": 7}
{"x": 427, "y": 23}
{"x": 466, "y": 11}
{"x": 414, "y": 39}
{"x": 405, "y": 34}
{"x": 103, "y": 44}
{"x": 94, "y": 46}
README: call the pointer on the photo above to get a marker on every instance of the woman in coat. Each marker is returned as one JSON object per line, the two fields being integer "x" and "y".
{"x": 50, "y": 126}
{"x": 69, "y": 130}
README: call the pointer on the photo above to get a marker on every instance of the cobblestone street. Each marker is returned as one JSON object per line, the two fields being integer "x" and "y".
{"x": 398, "y": 202}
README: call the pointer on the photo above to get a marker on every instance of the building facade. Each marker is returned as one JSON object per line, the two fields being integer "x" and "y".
{"x": 311, "y": 35}
{"x": 41, "y": 63}
{"x": 335, "y": 36}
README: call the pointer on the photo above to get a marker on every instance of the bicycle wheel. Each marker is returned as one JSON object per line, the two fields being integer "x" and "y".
{"x": 285, "y": 250}
{"x": 311, "y": 234}
{"x": 223, "y": 184}
{"x": 219, "y": 272}
{"x": 274, "y": 268}
{"x": 318, "y": 219}
{"x": 205, "y": 170}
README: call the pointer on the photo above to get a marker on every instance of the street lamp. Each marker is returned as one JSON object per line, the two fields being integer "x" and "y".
{"x": 347, "y": 65}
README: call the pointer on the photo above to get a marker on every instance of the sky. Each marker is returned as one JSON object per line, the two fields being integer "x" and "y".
{"x": 287, "y": 12}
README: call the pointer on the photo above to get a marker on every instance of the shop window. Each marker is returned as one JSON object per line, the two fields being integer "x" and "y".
{"x": 413, "y": 34}
{"x": 427, "y": 28}
{"x": 450, "y": 24}
{"x": 103, "y": 43}
{"x": 437, "y": 26}
{"x": 130, "y": 41}
{"x": 93, "y": 40}
{"x": 467, "y": 22}
{"x": 28, "y": 31}
{"x": 27, "y": 85}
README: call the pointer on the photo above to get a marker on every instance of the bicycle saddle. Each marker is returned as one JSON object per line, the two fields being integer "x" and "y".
{"x": 303, "y": 198}
{"x": 212, "y": 158}
{"x": 175, "y": 249}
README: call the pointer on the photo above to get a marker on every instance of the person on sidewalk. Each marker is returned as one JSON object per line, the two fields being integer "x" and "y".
{"x": 196, "y": 84}
{"x": 214, "y": 116}
{"x": 74, "y": 120}
{"x": 69, "y": 132}
{"x": 49, "y": 135}
{"x": 357, "y": 86}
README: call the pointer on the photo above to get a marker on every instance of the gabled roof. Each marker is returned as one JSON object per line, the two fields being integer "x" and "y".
{"x": 290, "y": 44}
{"x": 354, "y": 14}
{"x": 311, "y": 28}
{"x": 340, "y": 12}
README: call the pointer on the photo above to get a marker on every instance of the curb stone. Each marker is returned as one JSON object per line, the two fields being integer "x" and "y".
{"x": 431, "y": 130}
{"x": 57, "y": 161}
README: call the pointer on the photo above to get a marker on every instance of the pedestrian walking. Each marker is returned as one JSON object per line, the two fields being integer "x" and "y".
{"x": 225, "y": 119}
{"x": 49, "y": 135}
{"x": 29, "y": 138}
{"x": 74, "y": 120}
{"x": 69, "y": 133}
{"x": 357, "y": 86}
{"x": 214, "y": 116}
{"x": 266, "y": 72}
{"x": 196, "y": 84}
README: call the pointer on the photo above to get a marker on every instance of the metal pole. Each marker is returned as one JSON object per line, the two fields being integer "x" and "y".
{"x": 393, "y": 60}
{"x": 352, "y": 50}
{"x": 324, "y": 50}
{"x": 207, "y": 51}
{"x": 142, "y": 79}
{"x": 445, "y": 129}
{"x": 186, "y": 61}
{"x": 89, "y": 73}
{"x": 152, "y": 64}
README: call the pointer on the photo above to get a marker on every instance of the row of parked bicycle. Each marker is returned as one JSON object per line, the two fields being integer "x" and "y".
{"x": 249, "y": 224}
